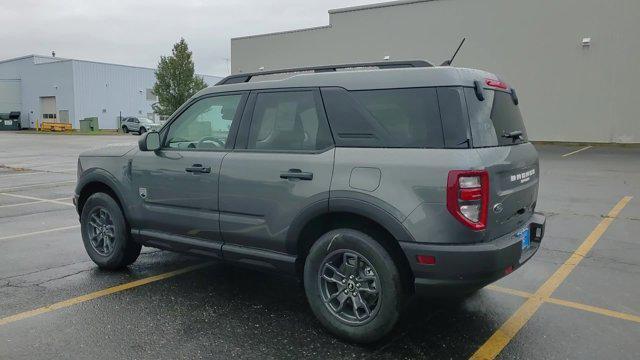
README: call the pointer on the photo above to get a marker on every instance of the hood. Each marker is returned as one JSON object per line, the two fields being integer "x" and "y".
{"x": 112, "y": 150}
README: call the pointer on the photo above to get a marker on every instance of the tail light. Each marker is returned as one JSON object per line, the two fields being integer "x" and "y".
{"x": 468, "y": 197}
{"x": 496, "y": 84}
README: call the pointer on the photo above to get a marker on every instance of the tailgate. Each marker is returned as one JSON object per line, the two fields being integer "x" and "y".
{"x": 513, "y": 186}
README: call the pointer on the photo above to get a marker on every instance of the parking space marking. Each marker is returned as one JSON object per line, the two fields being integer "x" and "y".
{"x": 36, "y": 185}
{"x": 39, "y": 232}
{"x": 34, "y": 202}
{"x": 501, "y": 337}
{"x": 38, "y": 172}
{"x": 577, "y": 151}
{"x": 99, "y": 294}
{"x": 37, "y": 199}
{"x": 567, "y": 303}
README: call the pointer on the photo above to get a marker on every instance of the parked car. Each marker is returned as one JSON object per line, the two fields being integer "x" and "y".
{"x": 139, "y": 125}
{"x": 370, "y": 185}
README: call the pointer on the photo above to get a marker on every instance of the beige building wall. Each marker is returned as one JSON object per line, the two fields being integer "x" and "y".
{"x": 568, "y": 92}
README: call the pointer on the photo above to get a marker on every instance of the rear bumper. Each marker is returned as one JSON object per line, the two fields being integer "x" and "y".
{"x": 461, "y": 269}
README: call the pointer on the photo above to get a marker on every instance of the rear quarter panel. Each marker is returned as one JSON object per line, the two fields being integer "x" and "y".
{"x": 411, "y": 186}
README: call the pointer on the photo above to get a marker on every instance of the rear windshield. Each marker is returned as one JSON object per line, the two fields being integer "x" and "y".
{"x": 493, "y": 118}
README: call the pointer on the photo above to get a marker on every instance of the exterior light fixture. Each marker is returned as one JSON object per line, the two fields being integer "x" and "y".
{"x": 586, "y": 42}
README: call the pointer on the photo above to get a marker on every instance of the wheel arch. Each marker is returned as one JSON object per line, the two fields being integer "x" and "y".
{"x": 354, "y": 214}
{"x": 98, "y": 180}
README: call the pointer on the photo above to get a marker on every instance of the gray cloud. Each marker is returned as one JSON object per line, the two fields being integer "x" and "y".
{"x": 138, "y": 32}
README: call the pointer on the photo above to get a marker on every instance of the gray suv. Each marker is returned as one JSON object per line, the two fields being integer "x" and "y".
{"x": 373, "y": 184}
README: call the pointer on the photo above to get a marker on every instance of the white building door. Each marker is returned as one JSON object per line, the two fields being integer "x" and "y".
{"x": 64, "y": 116}
{"x": 48, "y": 109}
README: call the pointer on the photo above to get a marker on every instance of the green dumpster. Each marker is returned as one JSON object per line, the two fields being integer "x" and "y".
{"x": 10, "y": 121}
{"x": 89, "y": 124}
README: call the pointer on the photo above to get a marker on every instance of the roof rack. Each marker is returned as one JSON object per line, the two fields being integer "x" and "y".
{"x": 246, "y": 77}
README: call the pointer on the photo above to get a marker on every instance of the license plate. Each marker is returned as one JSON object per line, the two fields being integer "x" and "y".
{"x": 525, "y": 238}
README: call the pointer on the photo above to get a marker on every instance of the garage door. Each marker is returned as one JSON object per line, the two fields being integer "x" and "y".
{"x": 10, "y": 98}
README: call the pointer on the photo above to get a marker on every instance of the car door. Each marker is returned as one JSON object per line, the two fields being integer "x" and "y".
{"x": 282, "y": 165}
{"x": 134, "y": 124}
{"x": 177, "y": 185}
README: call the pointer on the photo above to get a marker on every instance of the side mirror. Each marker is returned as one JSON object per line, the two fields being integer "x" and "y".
{"x": 149, "y": 141}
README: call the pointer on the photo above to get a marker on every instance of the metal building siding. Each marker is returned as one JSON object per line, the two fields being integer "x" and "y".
{"x": 10, "y": 95}
{"x": 568, "y": 92}
{"x": 106, "y": 91}
{"x": 46, "y": 79}
{"x": 84, "y": 88}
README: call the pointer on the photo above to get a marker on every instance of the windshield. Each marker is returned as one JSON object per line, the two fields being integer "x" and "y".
{"x": 495, "y": 121}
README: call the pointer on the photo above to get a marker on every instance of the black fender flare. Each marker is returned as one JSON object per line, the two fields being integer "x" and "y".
{"x": 101, "y": 176}
{"x": 353, "y": 202}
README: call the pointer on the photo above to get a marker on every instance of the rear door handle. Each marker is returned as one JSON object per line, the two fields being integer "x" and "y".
{"x": 296, "y": 174}
{"x": 198, "y": 168}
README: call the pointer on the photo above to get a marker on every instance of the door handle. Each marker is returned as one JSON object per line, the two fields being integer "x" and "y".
{"x": 296, "y": 174}
{"x": 198, "y": 168}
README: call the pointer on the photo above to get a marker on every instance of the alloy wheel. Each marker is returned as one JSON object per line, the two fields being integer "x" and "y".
{"x": 101, "y": 231}
{"x": 350, "y": 287}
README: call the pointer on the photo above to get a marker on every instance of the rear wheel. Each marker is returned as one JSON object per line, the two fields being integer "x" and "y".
{"x": 125, "y": 129}
{"x": 353, "y": 286}
{"x": 105, "y": 235}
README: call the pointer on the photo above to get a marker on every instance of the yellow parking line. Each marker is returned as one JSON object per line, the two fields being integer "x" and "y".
{"x": 98, "y": 294}
{"x": 577, "y": 151}
{"x": 509, "y": 291}
{"x": 571, "y": 304}
{"x": 494, "y": 345}
{"x": 37, "y": 199}
{"x": 39, "y": 232}
{"x": 595, "y": 309}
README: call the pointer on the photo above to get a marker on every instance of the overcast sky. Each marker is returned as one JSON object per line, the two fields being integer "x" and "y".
{"x": 138, "y": 32}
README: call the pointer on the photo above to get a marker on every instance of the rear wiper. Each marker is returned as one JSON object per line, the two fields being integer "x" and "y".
{"x": 514, "y": 135}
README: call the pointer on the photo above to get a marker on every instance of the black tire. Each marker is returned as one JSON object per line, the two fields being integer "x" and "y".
{"x": 125, "y": 129}
{"x": 142, "y": 130}
{"x": 123, "y": 251}
{"x": 392, "y": 294}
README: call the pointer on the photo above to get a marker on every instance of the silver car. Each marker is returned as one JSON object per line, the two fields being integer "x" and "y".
{"x": 139, "y": 124}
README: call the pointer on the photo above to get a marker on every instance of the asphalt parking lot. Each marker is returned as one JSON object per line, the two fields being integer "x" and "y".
{"x": 578, "y": 298}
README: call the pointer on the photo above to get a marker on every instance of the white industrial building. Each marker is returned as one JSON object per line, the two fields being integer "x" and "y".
{"x": 47, "y": 88}
{"x": 574, "y": 63}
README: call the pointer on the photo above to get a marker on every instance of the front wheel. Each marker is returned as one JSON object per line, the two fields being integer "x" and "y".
{"x": 142, "y": 130}
{"x": 353, "y": 286}
{"x": 105, "y": 233}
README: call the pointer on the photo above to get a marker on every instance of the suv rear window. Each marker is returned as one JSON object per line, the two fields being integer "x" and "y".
{"x": 395, "y": 118}
{"x": 494, "y": 117}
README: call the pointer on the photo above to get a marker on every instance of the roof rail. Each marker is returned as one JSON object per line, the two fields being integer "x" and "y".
{"x": 246, "y": 77}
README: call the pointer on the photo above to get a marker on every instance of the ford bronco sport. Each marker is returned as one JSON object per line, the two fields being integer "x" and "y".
{"x": 372, "y": 184}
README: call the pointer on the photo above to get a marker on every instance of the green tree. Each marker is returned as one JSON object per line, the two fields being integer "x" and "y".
{"x": 176, "y": 80}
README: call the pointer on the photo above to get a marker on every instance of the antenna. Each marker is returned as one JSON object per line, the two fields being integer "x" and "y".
{"x": 448, "y": 62}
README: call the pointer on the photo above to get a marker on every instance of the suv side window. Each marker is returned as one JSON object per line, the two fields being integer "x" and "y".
{"x": 395, "y": 118}
{"x": 288, "y": 120}
{"x": 411, "y": 117}
{"x": 206, "y": 124}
